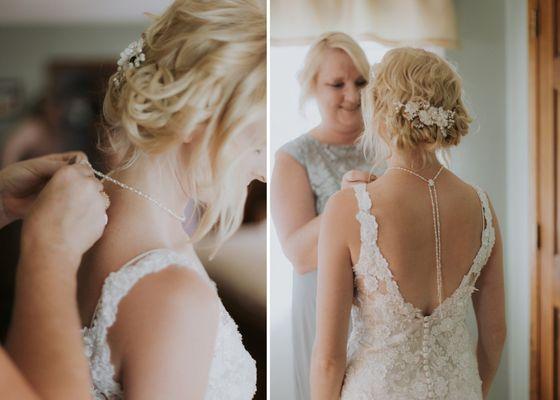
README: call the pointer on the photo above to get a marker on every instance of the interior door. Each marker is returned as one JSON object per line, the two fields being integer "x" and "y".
{"x": 544, "y": 20}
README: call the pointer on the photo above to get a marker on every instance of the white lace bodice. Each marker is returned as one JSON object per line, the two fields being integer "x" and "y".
{"x": 232, "y": 373}
{"x": 394, "y": 351}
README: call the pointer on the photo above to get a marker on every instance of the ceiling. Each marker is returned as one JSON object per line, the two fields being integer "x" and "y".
{"x": 24, "y": 12}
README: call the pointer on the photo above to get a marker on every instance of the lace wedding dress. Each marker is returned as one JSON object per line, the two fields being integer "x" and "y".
{"x": 232, "y": 373}
{"x": 394, "y": 351}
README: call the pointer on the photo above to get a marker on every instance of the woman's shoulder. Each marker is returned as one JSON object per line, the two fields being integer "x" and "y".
{"x": 297, "y": 148}
{"x": 344, "y": 203}
{"x": 160, "y": 265}
{"x": 157, "y": 273}
{"x": 161, "y": 312}
{"x": 174, "y": 286}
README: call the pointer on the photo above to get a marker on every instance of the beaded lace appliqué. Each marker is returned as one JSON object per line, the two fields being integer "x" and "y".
{"x": 394, "y": 351}
{"x": 232, "y": 373}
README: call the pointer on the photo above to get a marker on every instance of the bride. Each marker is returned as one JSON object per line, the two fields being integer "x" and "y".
{"x": 404, "y": 254}
{"x": 186, "y": 126}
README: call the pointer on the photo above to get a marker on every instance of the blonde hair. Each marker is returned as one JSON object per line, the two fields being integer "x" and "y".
{"x": 410, "y": 74}
{"x": 204, "y": 80}
{"x": 315, "y": 56}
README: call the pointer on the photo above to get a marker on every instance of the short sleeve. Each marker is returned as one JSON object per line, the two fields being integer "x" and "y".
{"x": 296, "y": 150}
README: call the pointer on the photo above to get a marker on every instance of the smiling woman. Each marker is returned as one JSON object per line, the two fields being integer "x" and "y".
{"x": 310, "y": 168}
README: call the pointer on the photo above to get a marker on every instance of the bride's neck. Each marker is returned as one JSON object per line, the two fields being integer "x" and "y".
{"x": 412, "y": 160}
{"x": 159, "y": 180}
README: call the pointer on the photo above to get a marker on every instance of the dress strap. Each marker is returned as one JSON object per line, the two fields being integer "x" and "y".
{"x": 368, "y": 223}
{"x": 130, "y": 262}
{"x": 362, "y": 195}
{"x": 486, "y": 211}
{"x": 119, "y": 283}
{"x": 488, "y": 236}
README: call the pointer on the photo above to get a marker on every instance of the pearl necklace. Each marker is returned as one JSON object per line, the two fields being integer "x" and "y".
{"x": 139, "y": 193}
{"x": 437, "y": 228}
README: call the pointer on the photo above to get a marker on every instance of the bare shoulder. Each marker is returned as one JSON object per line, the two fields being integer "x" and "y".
{"x": 173, "y": 289}
{"x": 176, "y": 300}
{"x": 283, "y": 159}
{"x": 343, "y": 201}
{"x": 341, "y": 208}
{"x": 288, "y": 171}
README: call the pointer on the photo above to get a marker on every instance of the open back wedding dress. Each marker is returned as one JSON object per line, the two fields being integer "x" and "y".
{"x": 395, "y": 352}
{"x": 232, "y": 373}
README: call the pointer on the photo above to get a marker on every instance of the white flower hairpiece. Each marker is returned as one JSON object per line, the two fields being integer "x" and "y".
{"x": 421, "y": 113}
{"x": 131, "y": 57}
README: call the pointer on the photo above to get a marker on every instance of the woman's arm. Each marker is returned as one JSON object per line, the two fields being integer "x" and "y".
{"x": 334, "y": 300}
{"x": 489, "y": 306}
{"x": 44, "y": 338}
{"x": 12, "y": 383}
{"x": 164, "y": 336}
{"x": 293, "y": 212}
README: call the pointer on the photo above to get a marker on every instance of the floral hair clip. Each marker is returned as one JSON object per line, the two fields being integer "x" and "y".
{"x": 131, "y": 57}
{"x": 421, "y": 113}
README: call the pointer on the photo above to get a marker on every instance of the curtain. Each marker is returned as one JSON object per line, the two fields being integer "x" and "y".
{"x": 390, "y": 22}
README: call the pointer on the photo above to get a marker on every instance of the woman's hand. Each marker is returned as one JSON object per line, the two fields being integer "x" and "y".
{"x": 354, "y": 177}
{"x": 68, "y": 216}
{"x": 65, "y": 219}
{"x": 21, "y": 182}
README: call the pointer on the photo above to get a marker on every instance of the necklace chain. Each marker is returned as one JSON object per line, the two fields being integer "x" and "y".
{"x": 436, "y": 220}
{"x": 139, "y": 193}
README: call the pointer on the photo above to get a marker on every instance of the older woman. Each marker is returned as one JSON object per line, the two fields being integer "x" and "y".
{"x": 309, "y": 169}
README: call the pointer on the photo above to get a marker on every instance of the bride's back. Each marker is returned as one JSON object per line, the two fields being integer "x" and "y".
{"x": 402, "y": 207}
{"x": 423, "y": 243}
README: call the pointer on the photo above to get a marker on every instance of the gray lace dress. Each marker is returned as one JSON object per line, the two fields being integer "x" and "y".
{"x": 325, "y": 165}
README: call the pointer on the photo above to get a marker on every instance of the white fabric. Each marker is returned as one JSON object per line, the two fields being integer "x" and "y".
{"x": 390, "y": 22}
{"x": 232, "y": 373}
{"x": 394, "y": 351}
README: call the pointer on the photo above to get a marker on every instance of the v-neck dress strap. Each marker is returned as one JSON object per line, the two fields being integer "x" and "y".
{"x": 396, "y": 352}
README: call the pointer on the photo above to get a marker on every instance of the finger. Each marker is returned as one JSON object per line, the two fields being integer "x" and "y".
{"x": 359, "y": 176}
{"x": 45, "y": 167}
{"x": 100, "y": 186}
{"x": 68, "y": 156}
{"x": 83, "y": 170}
{"x": 106, "y": 200}
{"x": 97, "y": 186}
{"x": 349, "y": 175}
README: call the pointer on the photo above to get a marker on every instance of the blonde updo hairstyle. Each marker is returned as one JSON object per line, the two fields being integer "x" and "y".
{"x": 204, "y": 80}
{"x": 411, "y": 74}
{"x": 307, "y": 76}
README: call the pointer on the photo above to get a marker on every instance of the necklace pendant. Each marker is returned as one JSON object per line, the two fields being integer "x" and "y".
{"x": 431, "y": 182}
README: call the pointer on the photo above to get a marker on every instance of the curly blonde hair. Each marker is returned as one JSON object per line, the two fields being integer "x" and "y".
{"x": 203, "y": 80}
{"x": 410, "y": 74}
{"x": 315, "y": 56}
